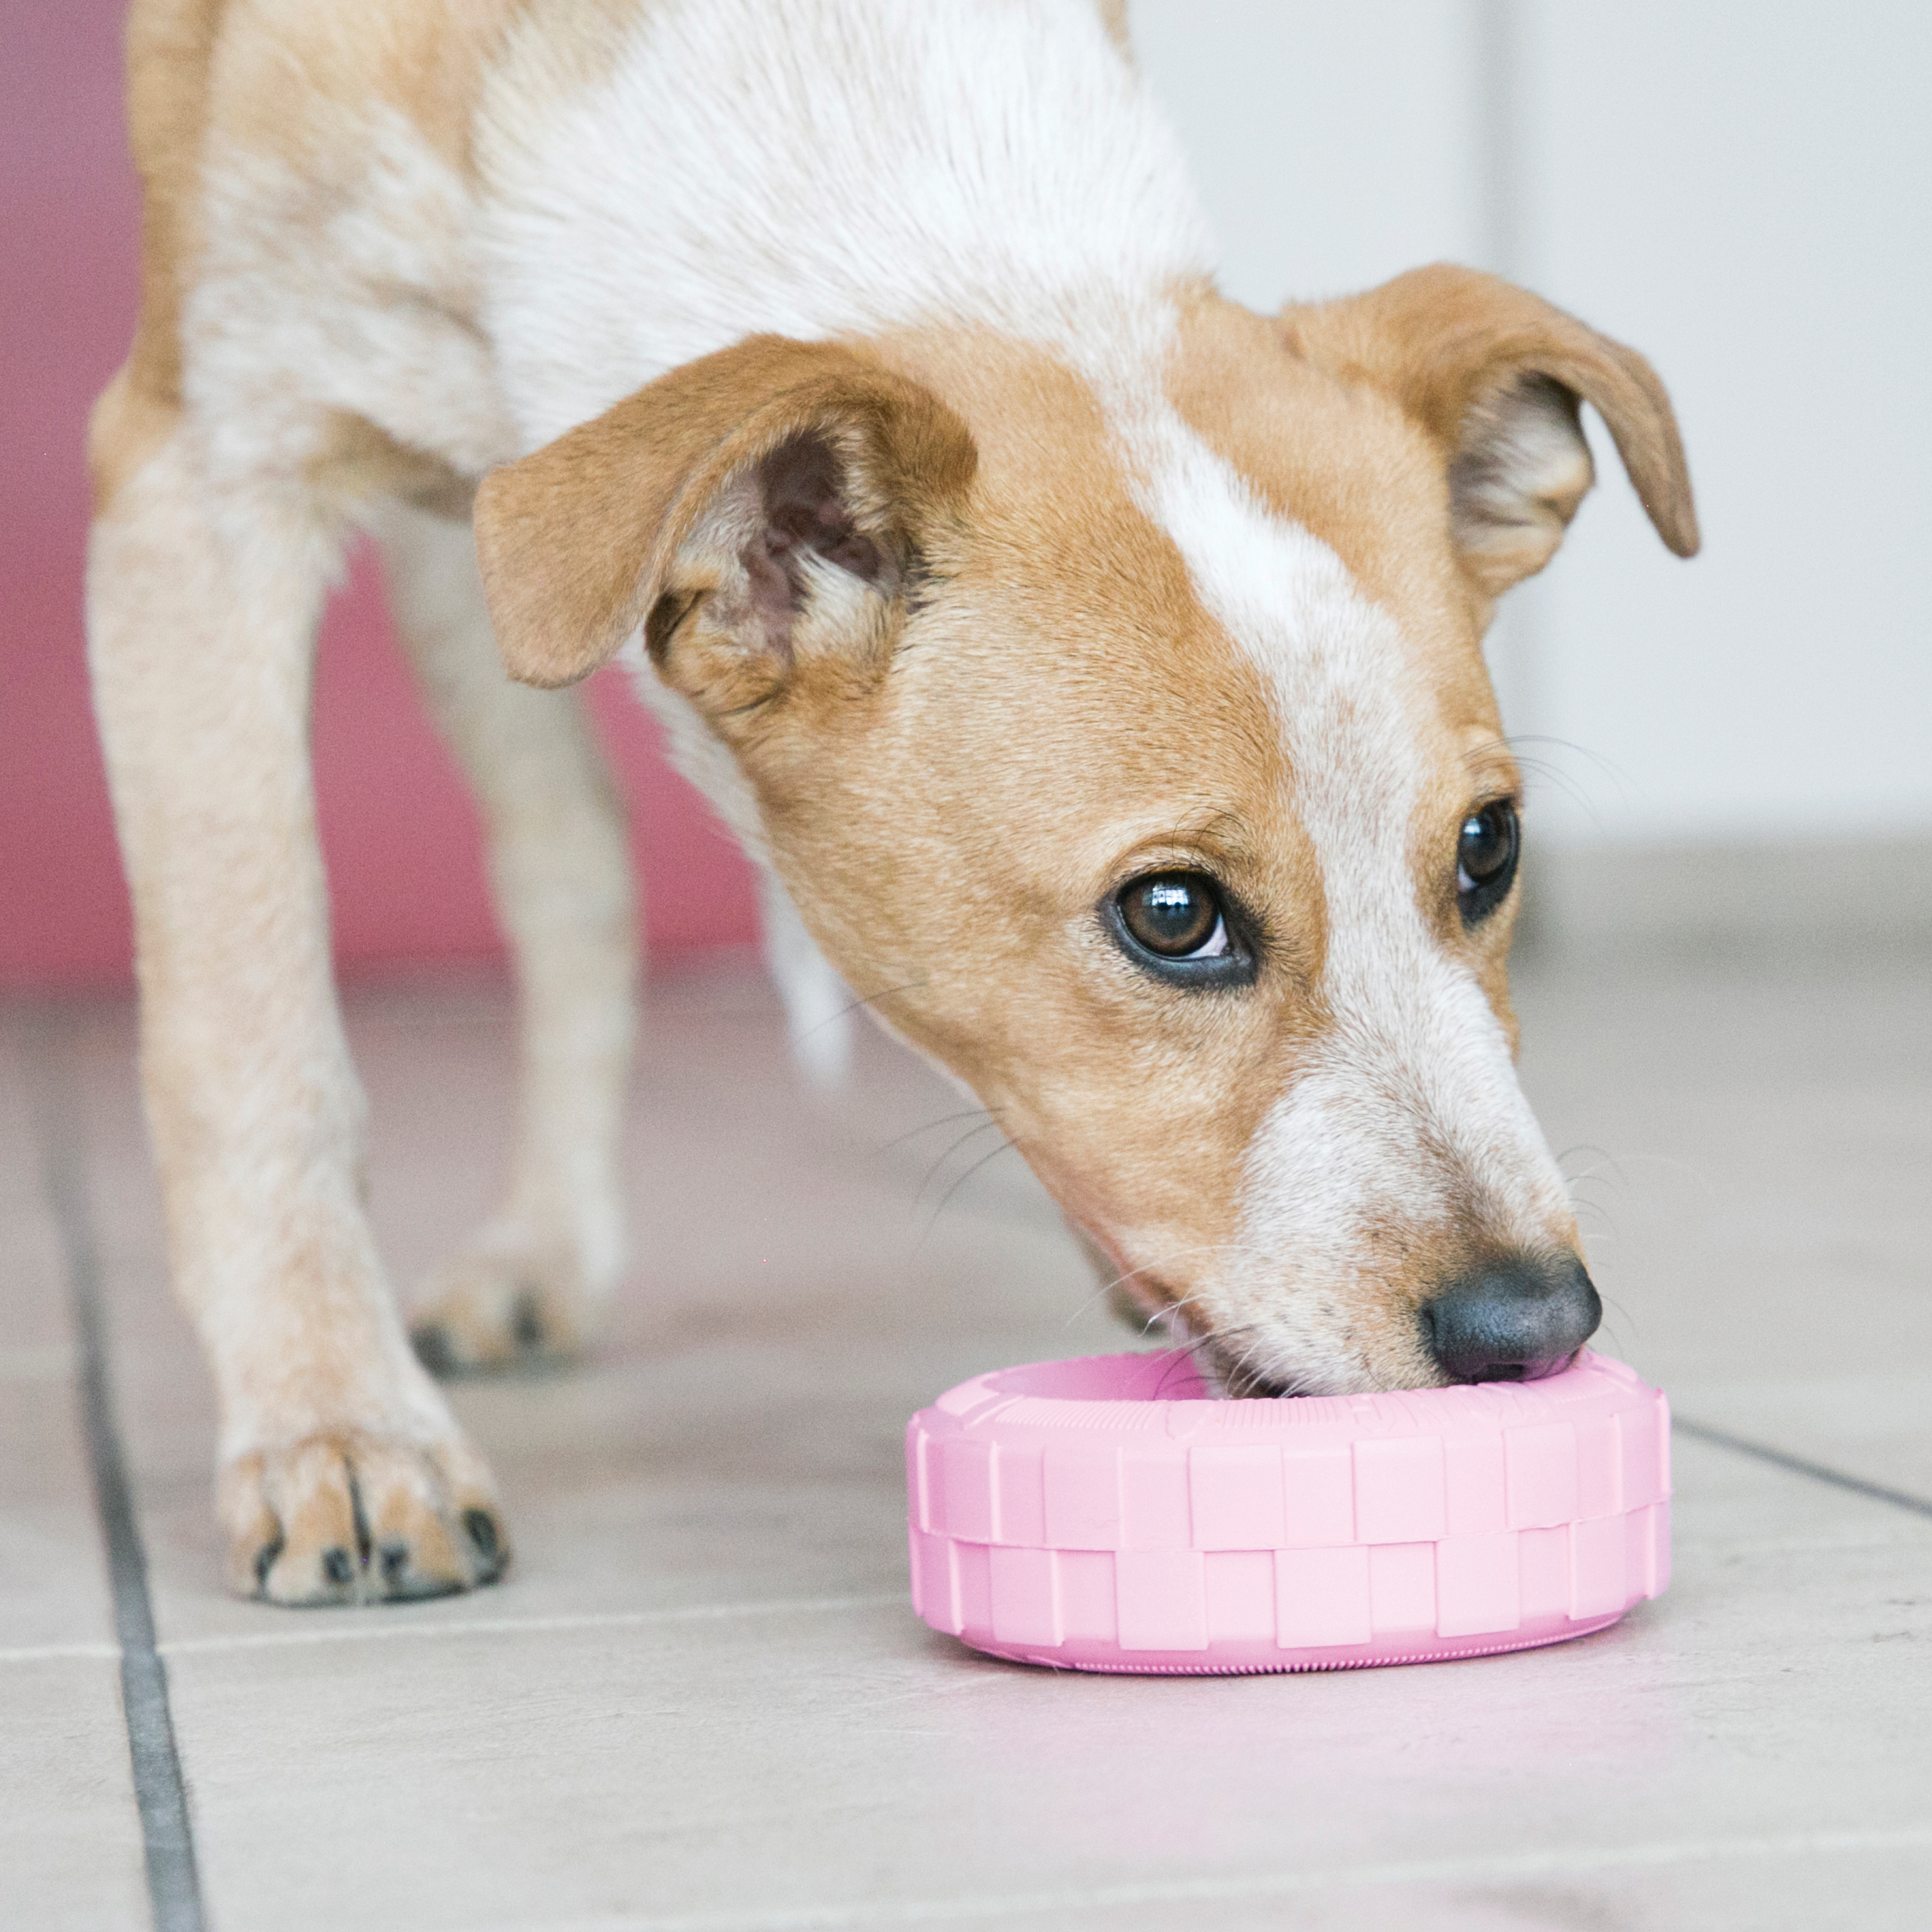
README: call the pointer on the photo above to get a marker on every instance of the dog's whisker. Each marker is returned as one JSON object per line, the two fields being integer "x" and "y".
{"x": 1607, "y": 1159}
{"x": 1544, "y": 770}
{"x": 1541, "y": 770}
{"x": 934, "y": 1172}
{"x": 1005, "y": 1147}
{"x": 944, "y": 1120}
{"x": 1608, "y": 766}
{"x": 1614, "y": 1305}
{"x": 1162, "y": 1261}
{"x": 1225, "y": 1342}
{"x": 865, "y": 999}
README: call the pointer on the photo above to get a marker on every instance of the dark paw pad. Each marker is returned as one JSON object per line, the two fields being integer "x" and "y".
{"x": 264, "y": 1561}
{"x": 431, "y": 1343}
{"x": 338, "y": 1566}
{"x": 481, "y": 1528}
{"x": 526, "y": 1321}
{"x": 395, "y": 1558}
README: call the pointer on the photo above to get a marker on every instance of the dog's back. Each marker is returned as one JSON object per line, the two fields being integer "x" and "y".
{"x": 348, "y": 206}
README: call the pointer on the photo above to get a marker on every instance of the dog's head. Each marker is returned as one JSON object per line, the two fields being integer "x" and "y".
{"x": 1129, "y": 743}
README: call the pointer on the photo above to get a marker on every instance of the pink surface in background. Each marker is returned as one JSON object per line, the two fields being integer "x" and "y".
{"x": 401, "y": 835}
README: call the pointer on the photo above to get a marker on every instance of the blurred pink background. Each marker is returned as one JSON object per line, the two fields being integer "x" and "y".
{"x": 401, "y": 838}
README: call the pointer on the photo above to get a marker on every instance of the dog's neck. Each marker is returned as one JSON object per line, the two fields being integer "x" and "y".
{"x": 842, "y": 168}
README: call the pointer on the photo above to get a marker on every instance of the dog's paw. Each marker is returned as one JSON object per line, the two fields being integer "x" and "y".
{"x": 505, "y": 1303}
{"x": 347, "y": 1517}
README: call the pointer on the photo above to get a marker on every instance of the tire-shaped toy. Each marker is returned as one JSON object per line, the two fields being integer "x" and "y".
{"x": 1107, "y": 1514}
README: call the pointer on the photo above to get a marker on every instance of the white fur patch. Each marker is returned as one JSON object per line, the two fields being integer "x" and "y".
{"x": 1409, "y": 1112}
{"x": 818, "y": 1006}
{"x": 363, "y": 309}
{"x": 826, "y": 168}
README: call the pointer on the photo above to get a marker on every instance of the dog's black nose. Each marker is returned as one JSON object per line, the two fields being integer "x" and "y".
{"x": 1513, "y": 1319}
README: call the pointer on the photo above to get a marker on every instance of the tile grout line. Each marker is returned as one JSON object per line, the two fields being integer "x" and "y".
{"x": 1803, "y": 1466}
{"x": 174, "y": 1886}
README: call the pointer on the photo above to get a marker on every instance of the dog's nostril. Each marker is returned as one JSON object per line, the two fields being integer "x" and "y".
{"x": 1513, "y": 1319}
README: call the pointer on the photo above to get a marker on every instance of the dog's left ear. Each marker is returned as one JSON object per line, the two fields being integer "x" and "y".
{"x": 754, "y": 512}
{"x": 1495, "y": 375}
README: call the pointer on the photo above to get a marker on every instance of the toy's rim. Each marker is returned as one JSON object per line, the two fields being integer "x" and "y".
{"x": 1293, "y": 1664}
{"x": 1037, "y": 1396}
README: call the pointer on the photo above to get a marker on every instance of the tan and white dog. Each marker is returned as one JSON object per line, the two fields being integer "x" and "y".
{"x": 1094, "y": 664}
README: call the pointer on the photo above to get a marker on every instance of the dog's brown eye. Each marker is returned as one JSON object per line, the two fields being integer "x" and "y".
{"x": 1486, "y": 856}
{"x": 1177, "y": 915}
{"x": 1181, "y": 929}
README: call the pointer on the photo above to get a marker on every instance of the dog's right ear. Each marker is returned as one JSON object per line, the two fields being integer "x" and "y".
{"x": 752, "y": 512}
{"x": 1494, "y": 375}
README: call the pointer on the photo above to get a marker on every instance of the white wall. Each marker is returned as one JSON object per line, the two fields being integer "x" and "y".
{"x": 1744, "y": 193}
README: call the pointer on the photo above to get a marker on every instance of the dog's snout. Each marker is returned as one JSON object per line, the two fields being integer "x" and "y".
{"x": 1513, "y": 1319}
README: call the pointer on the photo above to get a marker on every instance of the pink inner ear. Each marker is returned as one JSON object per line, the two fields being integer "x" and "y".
{"x": 806, "y": 514}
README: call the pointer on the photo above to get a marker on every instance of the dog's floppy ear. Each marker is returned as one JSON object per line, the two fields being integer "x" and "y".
{"x": 1495, "y": 375}
{"x": 748, "y": 511}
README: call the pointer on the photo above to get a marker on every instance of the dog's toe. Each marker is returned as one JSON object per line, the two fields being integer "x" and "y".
{"x": 505, "y": 1306}
{"x": 351, "y": 1518}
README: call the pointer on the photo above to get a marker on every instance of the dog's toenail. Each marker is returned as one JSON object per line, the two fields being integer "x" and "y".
{"x": 337, "y": 1566}
{"x": 395, "y": 1561}
{"x": 526, "y": 1321}
{"x": 431, "y": 1343}
{"x": 264, "y": 1561}
{"x": 482, "y": 1529}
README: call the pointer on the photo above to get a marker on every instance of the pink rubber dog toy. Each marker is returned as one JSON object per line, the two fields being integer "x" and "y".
{"x": 1107, "y": 1514}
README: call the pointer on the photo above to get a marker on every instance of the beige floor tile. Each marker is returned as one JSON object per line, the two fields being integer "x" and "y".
{"x": 36, "y": 1345}
{"x": 69, "y": 1838}
{"x": 1758, "y": 1153}
{"x": 769, "y": 1771}
{"x": 53, "y": 1589}
{"x": 1678, "y": 1884}
{"x": 700, "y": 1701}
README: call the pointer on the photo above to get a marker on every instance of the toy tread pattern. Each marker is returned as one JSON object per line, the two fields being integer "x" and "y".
{"x": 1192, "y": 1535}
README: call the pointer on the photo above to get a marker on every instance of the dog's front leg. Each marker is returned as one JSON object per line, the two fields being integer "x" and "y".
{"x": 343, "y": 1477}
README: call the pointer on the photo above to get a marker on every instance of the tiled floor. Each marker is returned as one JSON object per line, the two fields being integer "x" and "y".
{"x": 700, "y": 1701}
